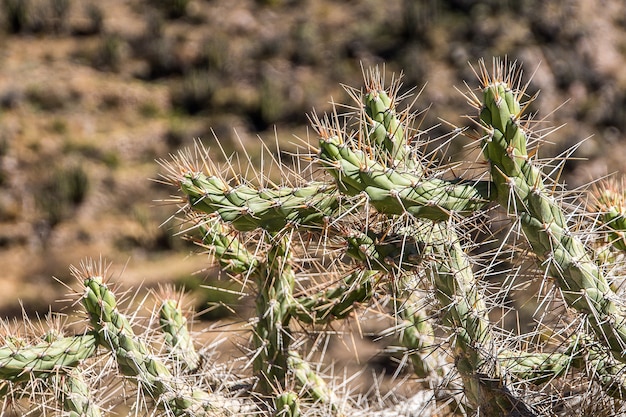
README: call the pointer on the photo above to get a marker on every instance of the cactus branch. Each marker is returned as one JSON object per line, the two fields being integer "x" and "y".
{"x": 272, "y": 336}
{"x": 465, "y": 311}
{"x": 385, "y": 129}
{"x": 174, "y": 327}
{"x": 23, "y": 362}
{"x": 337, "y": 302}
{"x": 581, "y": 354}
{"x": 522, "y": 192}
{"x": 248, "y": 208}
{"x": 75, "y": 394}
{"x": 115, "y": 332}
{"x": 287, "y": 405}
{"x": 393, "y": 192}
{"x": 223, "y": 242}
{"x": 417, "y": 333}
{"x": 609, "y": 202}
{"x": 307, "y": 379}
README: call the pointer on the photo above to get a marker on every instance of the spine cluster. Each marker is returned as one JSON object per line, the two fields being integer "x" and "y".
{"x": 377, "y": 231}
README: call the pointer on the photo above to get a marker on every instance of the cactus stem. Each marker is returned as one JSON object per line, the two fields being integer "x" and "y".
{"x": 560, "y": 252}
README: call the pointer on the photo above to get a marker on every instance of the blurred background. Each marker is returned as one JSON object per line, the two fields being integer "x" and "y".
{"x": 91, "y": 93}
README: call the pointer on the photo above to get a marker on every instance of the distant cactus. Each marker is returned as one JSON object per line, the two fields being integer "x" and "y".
{"x": 376, "y": 231}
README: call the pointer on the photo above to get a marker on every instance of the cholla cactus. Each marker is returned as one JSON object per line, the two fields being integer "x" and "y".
{"x": 381, "y": 231}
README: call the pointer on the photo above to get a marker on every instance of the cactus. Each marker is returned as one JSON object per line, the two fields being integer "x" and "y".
{"x": 75, "y": 394}
{"x": 522, "y": 191}
{"x": 610, "y": 207}
{"x": 380, "y": 232}
{"x": 176, "y": 334}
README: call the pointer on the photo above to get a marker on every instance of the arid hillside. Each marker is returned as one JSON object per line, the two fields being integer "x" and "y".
{"x": 92, "y": 93}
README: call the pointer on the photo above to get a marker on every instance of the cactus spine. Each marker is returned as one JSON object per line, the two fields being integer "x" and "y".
{"x": 22, "y": 362}
{"x": 75, "y": 394}
{"x": 389, "y": 231}
{"x": 522, "y": 192}
{"x": 174, "y": 327}
{"x": 271, "y": 337}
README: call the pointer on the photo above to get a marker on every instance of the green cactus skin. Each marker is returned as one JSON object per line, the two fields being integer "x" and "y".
{"x": 603, "y": 368}
{"x": 337, "y": 302}
{"x": 395, "y": 193}
{"x": 231, "y": 254}
{"x": 536, "y": 368}
{"x": 386, "y": 133}
{"x": 383, "y": 251}
{"x": 521, "y": 191}
{"x": 610, "y": 203}
{"x": 316, "y": 387}
{"x": 174, "y": 327}
{"x": 581, "y": 354}
{"x": 287, "y": 404}
{"x": 75, "y": 394}
{"x": 384, "y": 129}
{"x": 410, "y": 233}
{"x": 276, "y": 305}
{"x": 417, "y": 334}
{"x": 465, "y": 310}
{"x": 114, "y": 332}
{"x": 272, "y": 336}
{"x": 247, "y": 208}
{"x": 22, "y": 362}
{"x": 319, "y": 308}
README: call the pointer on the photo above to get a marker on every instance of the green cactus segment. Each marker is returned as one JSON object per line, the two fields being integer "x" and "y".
{"x": 174, "y": 326}
{"x": 521, "y": 190}
{"x": 133, "y": 359}
{"x": 611, "y": 375}
{"x": 271, "y": 337}
{"x": 611, "y": 206}
{"x": 385, "y": 131}
{"x": 456, "y": 290}
{"x": 248, "y": 208}
{"x": 312, "y": 383}
{"x": 22, "y": 362}
{"x": 75, "y": 394}
{"x": 593, "y": 358}
{"x": 337, "y": 302}
{"x": 383, "y": 252}
{"x": 581, "y": 354}
{"x": 399, "y": 254}
{"x": 465, "y": 310}
{"x": 231, "y": 254}
{"x": 395, "y": 193}
{"x": 537, "y": 368}
{"x": 115, "y": 332}
{"x": 418, "y": 336}
{"x": 287, "y": 404}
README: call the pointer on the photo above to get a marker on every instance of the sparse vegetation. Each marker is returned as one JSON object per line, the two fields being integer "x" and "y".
{"x": 61, "y": 193}
{"x": 110, "y": 53}
{"x": 195, "y": 93}
{"x": 172, "y": 8}
{"x": 258, "y": 68}
{"x": 16, "y": 14}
